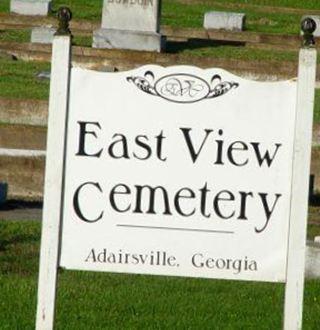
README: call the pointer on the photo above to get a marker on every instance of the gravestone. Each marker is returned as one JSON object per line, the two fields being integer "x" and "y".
{"x": 30, "y": 7}
{"x": 316, "y": 18}
{"x": 130, "y": 24}
{"x": 224, "y": 20}
{"x": 42, "y": 34}
{"x": 313, "y": 260}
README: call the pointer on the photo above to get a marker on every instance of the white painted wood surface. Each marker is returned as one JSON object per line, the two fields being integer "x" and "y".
{"x": 52, "y": 209}
{"x": 259, "y": 240}
{"x": 300, "y": 189}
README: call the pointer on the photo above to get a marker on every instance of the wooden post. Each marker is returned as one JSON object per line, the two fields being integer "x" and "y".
{"x": 300, "y": 185}
{"x": 53, "y": 191}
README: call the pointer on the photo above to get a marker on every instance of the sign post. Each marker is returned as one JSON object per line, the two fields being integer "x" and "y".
{"x": 54, "y": 173}
{"x": 300, "y": 180}
{"x": 179, "y": 171}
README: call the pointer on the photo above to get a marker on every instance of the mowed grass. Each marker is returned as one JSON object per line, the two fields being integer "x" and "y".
{"x": 113, "y": 301}
{"x": 194, "y": 47}
{"x": 5, "y": 6}
{"x": 191, "y": 14}
{"x": 24, "y": 36}
{"x": 184, "y": 13}
{"x": 310, "y": 4}
{"x": 18, "y": 79}
{"x": 178, "y": 14}
{"x": 236, "y": 52}
{"x": 316, "y": 117}
{"x": 15, "y": 35}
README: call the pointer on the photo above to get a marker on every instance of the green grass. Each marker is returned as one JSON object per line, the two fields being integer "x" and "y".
{"x": 177, "y": 13}
{"x": 108, "y": 301}
{"x": 15, "y": 36}
{"x": 5, "y": 6}
{"x": 82, "y": 9}
{"x": 83, "y": 41}
{"x": 18, "y": 79}
{"x": 317, "y": 107}
{"x": 310, "y": 4}
{"x": 25, "y": 36}
{"x": 214, "y": 50}
{"x": 193, "y": 47}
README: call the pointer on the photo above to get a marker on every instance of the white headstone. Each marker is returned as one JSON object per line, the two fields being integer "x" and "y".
{"x": 43, "y": 34}
{"x": 30, "y": 7}
{"x": 313, "y": 261}
{"x": 224, "y": 20}
{"x": 130, "y": 24}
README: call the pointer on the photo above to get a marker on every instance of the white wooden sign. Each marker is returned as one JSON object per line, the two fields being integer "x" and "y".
{"x": 177, "y": 171}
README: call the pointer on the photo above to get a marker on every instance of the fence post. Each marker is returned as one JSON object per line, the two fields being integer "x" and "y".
{"x": 300, "y": 180}
{"x": 54, "y": 182}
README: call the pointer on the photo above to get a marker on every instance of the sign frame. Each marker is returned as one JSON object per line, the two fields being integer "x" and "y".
{"x": 54, "y": 185}
{"x": 300, "y": 189}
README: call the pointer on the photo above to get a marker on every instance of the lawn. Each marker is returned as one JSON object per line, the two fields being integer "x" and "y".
{"x": 109, "y": 301}
{"x": 310, "y": 4}
{"x": 188, "y": 13}
{"x": 205, "y": 49}
{"x": 185, "y": 13}
{"x": 19, "y": 79}
{"x": 194, "y": 47}
{"x": 179, "y": 14}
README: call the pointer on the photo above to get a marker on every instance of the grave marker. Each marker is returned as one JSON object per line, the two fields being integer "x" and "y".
{"x": 133, "y": 24}
{"x": 175, "y": 171}
{"x": 313, "y": 260}
{"x": 30, "y": 7}
{"x": 43, "y": 34}
{"x": 224, "y": 21}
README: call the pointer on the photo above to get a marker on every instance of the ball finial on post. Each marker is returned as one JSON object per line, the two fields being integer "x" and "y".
{"x": 64, "y": 17}
{"x": 308, "y": 26}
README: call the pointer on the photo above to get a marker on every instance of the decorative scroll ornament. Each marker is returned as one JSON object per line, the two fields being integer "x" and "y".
{"x": 182, "y": 87}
